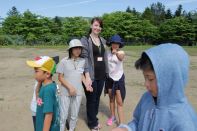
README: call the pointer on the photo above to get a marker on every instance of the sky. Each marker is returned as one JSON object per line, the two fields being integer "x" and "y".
{"x": 87, "y": 8}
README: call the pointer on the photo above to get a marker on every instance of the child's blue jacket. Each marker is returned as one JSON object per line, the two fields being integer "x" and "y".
{"x": 172, "y": 112}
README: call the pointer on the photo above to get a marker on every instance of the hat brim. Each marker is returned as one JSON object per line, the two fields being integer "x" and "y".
{"x": 32, "y": 64}
{"x": 75, "y": 47}
{"x": 120, "y": 43}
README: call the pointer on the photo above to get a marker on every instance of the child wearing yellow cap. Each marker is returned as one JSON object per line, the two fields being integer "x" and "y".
{"x": 47, "y": 112}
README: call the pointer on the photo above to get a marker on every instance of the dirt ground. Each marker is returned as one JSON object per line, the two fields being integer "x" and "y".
{"x": 16, "y": 89}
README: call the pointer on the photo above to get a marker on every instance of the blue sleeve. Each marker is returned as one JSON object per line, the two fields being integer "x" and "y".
{"x": 136, "y": 116}
{"x": 133, "y": 124}
{"x": 185, "y": 126}
{"x": 49, "y": 100}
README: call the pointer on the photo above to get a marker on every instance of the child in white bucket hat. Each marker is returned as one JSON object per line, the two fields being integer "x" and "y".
{"x": 70, "y": 74}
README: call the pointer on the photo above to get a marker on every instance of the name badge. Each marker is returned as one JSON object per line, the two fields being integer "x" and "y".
{"x": 99, "y": 58}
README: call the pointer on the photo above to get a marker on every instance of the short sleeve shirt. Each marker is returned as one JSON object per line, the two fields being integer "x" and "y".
{"x": 115, "y": 66}
{"x": 47, "y": 103}
{"x": 72, "y": 71}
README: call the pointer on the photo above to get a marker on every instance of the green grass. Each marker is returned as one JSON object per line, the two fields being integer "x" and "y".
{"x": 191, "y": 50}
{"x": 35, "y": 46}
{"x": 135, "y": 49}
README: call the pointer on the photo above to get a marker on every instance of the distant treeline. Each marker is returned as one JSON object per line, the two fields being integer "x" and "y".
{"x": 153, "y": 26}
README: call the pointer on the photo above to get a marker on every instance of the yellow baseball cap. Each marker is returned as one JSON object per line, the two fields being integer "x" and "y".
{"x": 44, "y": 63}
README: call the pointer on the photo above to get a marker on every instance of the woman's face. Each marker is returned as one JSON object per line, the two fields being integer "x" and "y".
{"x": 96, "y": 29}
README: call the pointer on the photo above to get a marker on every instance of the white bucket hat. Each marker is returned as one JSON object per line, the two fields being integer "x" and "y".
{"x": 75, "y": 43}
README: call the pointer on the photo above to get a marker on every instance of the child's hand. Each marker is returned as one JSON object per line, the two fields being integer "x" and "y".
{"x": 88, "y": 82}
{"x": 89, "y": 88}
{"x": 120, "y": 55}
{"x": 72, "y": 91}
{"x": 114, "y": 51}
{"x": 120, "y": 52}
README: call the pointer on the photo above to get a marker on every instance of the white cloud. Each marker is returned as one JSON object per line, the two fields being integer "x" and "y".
{"x": 178, "y": 2}
{"x": 66, "y": 5}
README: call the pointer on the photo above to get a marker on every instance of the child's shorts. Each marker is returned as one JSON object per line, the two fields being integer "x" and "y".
{"x": 116, "y": 85}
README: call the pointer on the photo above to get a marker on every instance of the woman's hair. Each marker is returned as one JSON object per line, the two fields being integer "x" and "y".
{"x": 98, "y": 20}
{"x": 144, "y": 63}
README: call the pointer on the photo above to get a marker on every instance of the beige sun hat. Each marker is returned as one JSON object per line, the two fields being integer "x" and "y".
{"x": 75, "y": 43}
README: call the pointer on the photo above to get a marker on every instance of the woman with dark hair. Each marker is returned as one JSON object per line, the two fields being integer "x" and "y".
{"x": 94, "y": 53}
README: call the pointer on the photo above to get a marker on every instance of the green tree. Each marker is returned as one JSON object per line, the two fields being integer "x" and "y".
{"x": 34, "y": 28}
{"x": 13, "y": 12}
{"x": 158, "y": 11}
{"x": 148, "y": 15}
{"x": 177, "y": 30}
{"x": 56, "y": 27}
{"x": 1, "y": 31}
{"x": 193, "y": 18}
{"x": 128, "y": 9}
{"x": 12, "y": 22}
{"x": 130, "y": 27}
{"x": 178, "y": 12}
{"x": 168, "y": 14}
{"x": 1, "y": 21}
{"x": 29, "y": 26}
{"x": 75, "y": 27}
{"x": 133, "y": 11}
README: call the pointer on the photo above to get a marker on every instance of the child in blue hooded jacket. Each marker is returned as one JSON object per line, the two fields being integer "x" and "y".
{"x": 164, "y": 107}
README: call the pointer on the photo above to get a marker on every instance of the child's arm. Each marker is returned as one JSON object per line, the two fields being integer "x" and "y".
{"x": 120, "y": 55}
{"x": 47, "y": 121}
{"x": 133, "y": 124}
{"x": 38, "y": 89}
{"x": 66, "y": 84}
{"x": 88, "y": 88}
{"x": 88, "y": 79}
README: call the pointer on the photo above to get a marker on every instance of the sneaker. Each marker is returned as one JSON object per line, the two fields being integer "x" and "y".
{"x": 111, "y": 120}
{"x": 99, "y": 126}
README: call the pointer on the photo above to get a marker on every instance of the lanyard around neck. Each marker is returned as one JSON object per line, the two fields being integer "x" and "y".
{"x": 93, "y": 41}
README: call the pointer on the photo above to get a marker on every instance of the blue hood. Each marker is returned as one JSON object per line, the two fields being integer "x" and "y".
{"x": 172, "y": 111}
{"x": 171, "y": 66}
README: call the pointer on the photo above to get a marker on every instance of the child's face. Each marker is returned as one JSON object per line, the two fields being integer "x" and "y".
{"x": 150, "y": 82}
{"x": 96, "y": 29}
{"x": 115, "y": 46}
{"x": 76, "y": 51}
{"x": 40, "y": 75}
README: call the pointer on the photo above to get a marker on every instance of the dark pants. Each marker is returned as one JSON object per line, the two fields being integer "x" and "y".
{"x": 92, "y": 102}
{"x": 34, "y": 122}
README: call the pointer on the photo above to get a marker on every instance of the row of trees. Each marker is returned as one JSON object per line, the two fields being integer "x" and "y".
{"x": 154, "y": 25}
